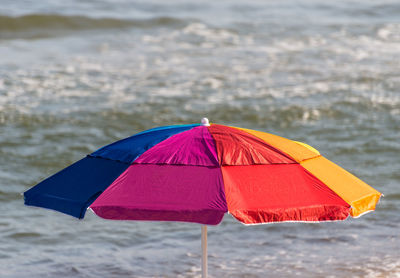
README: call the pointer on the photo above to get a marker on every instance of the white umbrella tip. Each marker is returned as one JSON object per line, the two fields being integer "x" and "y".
{"x": 205, "y": 122}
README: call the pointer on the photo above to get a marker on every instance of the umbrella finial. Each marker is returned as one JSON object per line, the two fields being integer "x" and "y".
{"x": 205, "y": 122}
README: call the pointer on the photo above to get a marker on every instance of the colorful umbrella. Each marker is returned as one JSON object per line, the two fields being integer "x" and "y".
{"x": 197, "y": 173}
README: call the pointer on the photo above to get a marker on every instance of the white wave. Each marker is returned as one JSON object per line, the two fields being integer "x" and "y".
{"x": 389, "y": 32}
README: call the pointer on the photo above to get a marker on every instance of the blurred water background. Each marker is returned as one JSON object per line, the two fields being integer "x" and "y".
{"x": 79, "y": 74}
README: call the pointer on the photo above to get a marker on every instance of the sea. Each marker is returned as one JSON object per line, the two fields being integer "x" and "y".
{"x": 76, "y": 75}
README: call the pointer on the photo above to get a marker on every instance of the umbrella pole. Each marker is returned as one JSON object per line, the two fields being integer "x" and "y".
{"x": 204, "y": 251}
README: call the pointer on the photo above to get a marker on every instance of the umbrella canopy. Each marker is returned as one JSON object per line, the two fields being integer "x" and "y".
{"x": 197, "y": 173}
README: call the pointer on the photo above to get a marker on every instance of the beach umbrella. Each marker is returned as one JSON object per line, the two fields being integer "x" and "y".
{"x": 198, "y": 172}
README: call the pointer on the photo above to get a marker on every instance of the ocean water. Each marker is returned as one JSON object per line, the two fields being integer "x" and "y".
{"x": 76, "y": 75}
